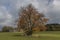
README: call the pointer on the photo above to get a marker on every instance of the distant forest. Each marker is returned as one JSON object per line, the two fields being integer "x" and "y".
{"x": 53, "y": 27}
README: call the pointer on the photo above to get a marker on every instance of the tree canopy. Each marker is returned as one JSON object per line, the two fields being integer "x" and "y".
{"x": 30, "y": 18}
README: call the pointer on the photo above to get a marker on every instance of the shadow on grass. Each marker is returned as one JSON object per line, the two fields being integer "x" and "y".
{"x": 22, "y": 35}
{"x": 19, "y": 35}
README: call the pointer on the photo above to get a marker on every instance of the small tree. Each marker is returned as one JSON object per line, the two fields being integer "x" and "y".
{"x": 29, "y": 18}
{"x": 7, "y": 29}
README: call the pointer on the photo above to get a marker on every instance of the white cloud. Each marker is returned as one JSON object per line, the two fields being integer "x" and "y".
{"x": 57, "y": 5}
{"x": 54, "y": 12}
{"x": 41, "y": 5}
{"x": 9, "y": 8}
{"x": 56, "y": 2}
{"x": 5, "y": 16}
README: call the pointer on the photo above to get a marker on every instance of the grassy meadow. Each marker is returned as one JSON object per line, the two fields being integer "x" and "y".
{"x": 49, "y": 35}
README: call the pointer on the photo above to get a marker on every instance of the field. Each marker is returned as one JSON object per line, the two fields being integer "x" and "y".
{"x": 52, "y": 35}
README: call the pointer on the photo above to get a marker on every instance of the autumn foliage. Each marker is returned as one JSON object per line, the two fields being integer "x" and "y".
{"x": 31, "y": 20}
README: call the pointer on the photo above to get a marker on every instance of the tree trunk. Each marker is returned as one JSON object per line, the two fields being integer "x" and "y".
{"x": 28, "y": 33}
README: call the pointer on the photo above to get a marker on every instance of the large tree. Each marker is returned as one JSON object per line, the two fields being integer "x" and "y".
{"x": 30, "y": 18}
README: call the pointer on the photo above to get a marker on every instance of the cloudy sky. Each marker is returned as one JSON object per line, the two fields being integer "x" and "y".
{"x": 9, "y": 10}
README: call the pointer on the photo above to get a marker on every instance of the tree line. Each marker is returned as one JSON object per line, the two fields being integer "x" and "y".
{"x": 53, "y": 27}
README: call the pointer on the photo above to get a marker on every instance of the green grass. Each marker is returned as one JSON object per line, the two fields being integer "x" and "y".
{"x": 52, "y": 35}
